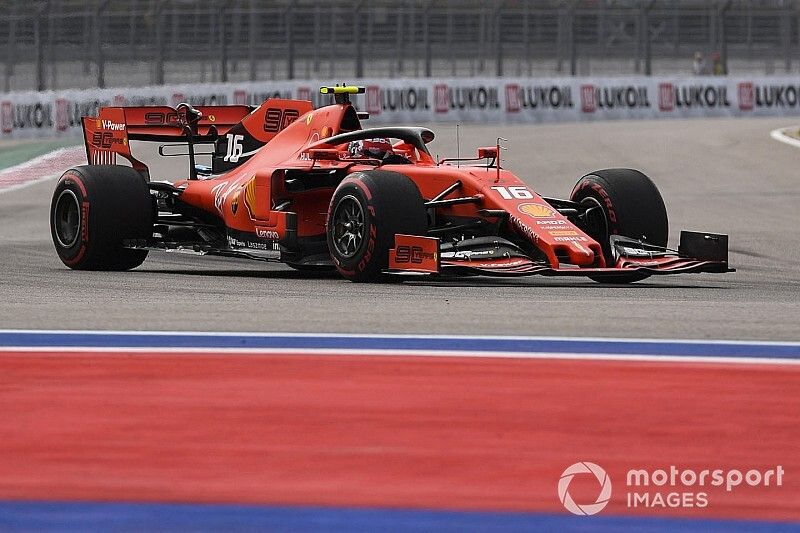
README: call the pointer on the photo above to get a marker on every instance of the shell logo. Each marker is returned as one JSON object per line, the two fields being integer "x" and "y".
{"x": 326, "y": 132}
{"x": 537, "y": 210}
{"x": 235, "y": 201}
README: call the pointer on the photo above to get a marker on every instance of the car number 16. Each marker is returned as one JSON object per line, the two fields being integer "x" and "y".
{"x": 235, "y": 148}
{"x": 510, "y": 193}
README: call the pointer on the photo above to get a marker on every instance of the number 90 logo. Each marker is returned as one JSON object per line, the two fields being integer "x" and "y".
{"x": 277, "y": 119}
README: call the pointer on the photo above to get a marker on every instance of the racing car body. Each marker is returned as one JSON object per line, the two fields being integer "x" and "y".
{"x": 277, "y": 183}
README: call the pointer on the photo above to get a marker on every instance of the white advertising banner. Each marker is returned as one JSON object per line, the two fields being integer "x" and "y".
{"x": 426, "y": 101}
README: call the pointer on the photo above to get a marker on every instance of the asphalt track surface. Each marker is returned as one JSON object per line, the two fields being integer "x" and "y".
{"x": 718, "y": 175}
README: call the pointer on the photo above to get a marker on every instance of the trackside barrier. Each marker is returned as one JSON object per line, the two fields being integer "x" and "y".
{"x": 422, "y": 100}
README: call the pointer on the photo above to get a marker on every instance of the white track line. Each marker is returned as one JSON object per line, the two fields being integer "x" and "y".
{"x": 779, "y": 135}
{"x": 377, "y": 352}
{"x": 478, "y": 351}
{"x": 185, "y": 333}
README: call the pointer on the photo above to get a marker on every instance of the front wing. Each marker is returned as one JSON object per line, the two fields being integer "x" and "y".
{"x": 422, "y": 255}
{"x": 527, "y": 267}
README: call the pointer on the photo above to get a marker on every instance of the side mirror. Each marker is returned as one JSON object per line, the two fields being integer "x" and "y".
{"x": 323, "y": 154}
{"x": 487, "y": 152}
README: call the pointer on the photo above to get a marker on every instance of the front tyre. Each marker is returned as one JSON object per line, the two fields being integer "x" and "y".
{"x": 94, "y": 209}
{"x": 367, "y": 210}
{"x": 623, "y": 202}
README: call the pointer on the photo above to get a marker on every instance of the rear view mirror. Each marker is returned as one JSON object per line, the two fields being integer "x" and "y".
{"x": 323, "y": 154}
{"x": 487, "y": 152}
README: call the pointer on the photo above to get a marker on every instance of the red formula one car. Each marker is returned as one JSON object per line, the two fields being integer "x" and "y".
{"x": 312, "y": 189}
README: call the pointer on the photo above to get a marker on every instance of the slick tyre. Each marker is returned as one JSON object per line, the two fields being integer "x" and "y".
{"x": 367, "y": 210}
{"x": 627, "y": 203}
{"x": 94, "y": 209}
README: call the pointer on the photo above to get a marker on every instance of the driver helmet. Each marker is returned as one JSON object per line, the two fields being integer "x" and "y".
{"x": 370, "y": 148}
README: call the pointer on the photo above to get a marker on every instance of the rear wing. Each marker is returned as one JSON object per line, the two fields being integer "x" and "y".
{"x": 140, "y": 136}
{"x": 170, "y": 143}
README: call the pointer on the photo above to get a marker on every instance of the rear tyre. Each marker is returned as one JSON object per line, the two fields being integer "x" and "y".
{"x": 367, "y": 210}
{"x": 627, "y": 203}
{"x": 94, "y": 209}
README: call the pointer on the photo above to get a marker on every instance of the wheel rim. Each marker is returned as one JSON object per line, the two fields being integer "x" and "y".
{"x": 67, "y": 219}
{"x": 595, "y": 221}
{"x": 348, "y": 226}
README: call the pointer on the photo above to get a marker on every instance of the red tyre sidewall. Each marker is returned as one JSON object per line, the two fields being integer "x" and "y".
{"x": 365, "y": 260}
{"x": 593, "y": 187}
{"x": 77, "y": 252}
